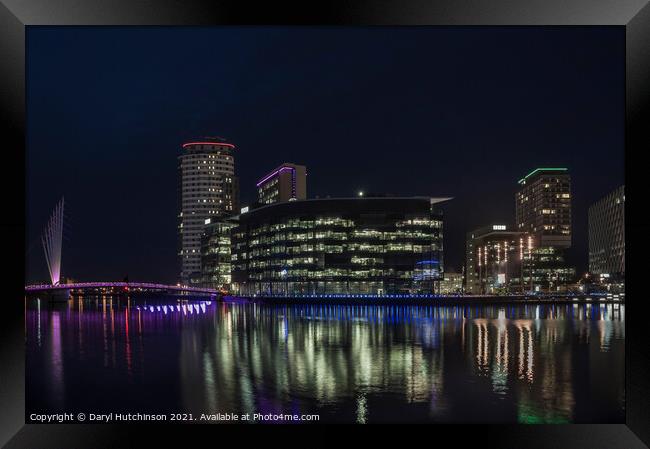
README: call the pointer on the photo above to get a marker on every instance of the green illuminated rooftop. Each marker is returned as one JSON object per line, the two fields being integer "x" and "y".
{"x": 537, "y": 170}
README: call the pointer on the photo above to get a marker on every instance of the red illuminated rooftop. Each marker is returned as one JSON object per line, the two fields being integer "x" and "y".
{"x": 209, "y": 141}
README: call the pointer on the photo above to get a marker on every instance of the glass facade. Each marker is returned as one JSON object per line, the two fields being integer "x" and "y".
{"x": 338, "y": 246}
{"x": 607, "y": 235}
{"x": 452, "y": 283}
{"x": 545, "y": 270}
{"x": 216, "y": 254}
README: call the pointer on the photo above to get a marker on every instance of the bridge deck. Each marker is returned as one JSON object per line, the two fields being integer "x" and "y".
{"x": 130, "y": 285}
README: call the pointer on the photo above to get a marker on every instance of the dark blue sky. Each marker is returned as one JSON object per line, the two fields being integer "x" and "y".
{"x": 462, "y": 112}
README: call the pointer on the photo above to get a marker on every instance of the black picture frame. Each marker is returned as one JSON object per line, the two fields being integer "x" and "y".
{"x": 16, "y": 15}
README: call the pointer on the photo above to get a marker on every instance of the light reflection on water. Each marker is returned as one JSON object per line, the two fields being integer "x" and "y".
{"x": 350, "y": 363}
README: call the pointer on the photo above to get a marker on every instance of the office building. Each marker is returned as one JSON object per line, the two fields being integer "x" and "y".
{"x": 215, "y": 253}
{"x": 345, "y": 246}
{"x": 546, "y": 270}
{"x": 288, "y": 182}
{"x": 607, "y": 235}
{"x": 452, "y": 283}
{"x": 493, "y": 258}
{"x": 208, "y": 189}
{"x": 543, "y": 207}
{"x": 543, "y": 213}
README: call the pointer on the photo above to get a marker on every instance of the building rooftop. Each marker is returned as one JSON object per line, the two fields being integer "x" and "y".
{"x": 498, "y": 229}
{"x": 209, "y": 141}
{"x": 345, "y": 204}
{"x": 285, "y": 166}
{"x": 542, "y": 170}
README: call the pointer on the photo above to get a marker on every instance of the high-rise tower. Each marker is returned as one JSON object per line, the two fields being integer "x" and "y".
{"x": 543, "y": 206}
{"x": 208, "y": 189}
{"x": 543, "y": 212}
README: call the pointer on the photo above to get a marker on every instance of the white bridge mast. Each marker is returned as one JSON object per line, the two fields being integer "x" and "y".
{"x": 52, "y": 240}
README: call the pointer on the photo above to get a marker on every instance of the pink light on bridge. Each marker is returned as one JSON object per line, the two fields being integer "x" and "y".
{"x": 129, "y": 285}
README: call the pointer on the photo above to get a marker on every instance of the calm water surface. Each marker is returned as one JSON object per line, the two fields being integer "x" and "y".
{"x": 514, "y": 363}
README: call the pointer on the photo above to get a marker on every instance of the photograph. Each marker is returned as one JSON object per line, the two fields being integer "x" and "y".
{"x": 286, "y": 225}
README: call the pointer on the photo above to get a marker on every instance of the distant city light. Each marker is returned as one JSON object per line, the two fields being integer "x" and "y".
{"x": 360, "y": 192}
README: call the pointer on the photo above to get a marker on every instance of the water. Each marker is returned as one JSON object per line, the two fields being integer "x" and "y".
{"x": 506, "y": 364}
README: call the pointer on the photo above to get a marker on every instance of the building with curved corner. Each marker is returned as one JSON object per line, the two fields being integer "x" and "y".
{"x": 208, "y": 189}
{"x": 339, "y": 246}
{"x": 495, "y": 257}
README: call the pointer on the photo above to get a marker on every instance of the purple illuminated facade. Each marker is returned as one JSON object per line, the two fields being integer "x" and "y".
{"x": 288, "y": 182}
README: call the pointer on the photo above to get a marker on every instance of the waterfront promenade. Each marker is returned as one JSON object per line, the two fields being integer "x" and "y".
{"x": 429, "y": 299}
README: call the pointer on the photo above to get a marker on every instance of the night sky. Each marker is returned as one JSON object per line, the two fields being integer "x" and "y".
{"x": 461, "y": 112}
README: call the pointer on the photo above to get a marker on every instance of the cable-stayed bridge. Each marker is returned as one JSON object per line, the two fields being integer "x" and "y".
{"x": 119, "y": 287}
{"x": 52, "y": 240}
